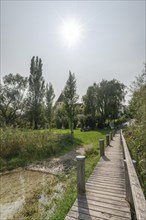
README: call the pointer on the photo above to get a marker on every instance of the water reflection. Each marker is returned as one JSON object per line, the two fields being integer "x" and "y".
{"x": 18, "y": 186}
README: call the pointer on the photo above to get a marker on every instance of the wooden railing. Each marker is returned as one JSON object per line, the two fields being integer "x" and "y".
{"x": 134, "y": 192}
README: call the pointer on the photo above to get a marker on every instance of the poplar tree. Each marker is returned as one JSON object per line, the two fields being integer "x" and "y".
{"x": 36, "y": 91}
{"x": 70, "y": 98}
{"x": 49, "y": 102}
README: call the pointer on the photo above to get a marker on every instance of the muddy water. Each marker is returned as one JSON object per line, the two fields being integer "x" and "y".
{"x": 18, "y": 186}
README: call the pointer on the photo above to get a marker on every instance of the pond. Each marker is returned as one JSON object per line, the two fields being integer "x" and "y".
{"x": 16, "y": 187}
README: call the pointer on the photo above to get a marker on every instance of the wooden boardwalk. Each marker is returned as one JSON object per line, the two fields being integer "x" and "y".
{"x": 105, "y": 189}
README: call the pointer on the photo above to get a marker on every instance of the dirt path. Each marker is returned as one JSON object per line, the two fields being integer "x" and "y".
{"x": 60, "y": 164}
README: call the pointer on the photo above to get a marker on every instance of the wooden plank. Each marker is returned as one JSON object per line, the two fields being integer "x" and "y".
{"x": 103, "y": 203}
{"x": 119, "y": 203}
{"x": 105, "y": 193}
{"x": 112, "y": 180}
{"x": 101, "y": 195}
{"x": 104, "y": 187}
{"x": 82, "y": 216}
{"x": 92, "y": 213}
{"x": 104, "y": 184}
{"x": 70, "y": 218}
{"x": 103, "y": 209}
{"x": 137, "y": 194}
{"x": 107, "y": 183}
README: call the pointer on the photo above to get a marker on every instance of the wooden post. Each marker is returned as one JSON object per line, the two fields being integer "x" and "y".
{"x": 80, "y": 174}
{"x": 107, "y": 140}
{"x": 101, "y": 143}
{"x": 111, "y": 136}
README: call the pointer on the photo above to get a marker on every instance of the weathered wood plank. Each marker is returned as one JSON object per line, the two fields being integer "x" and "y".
{"x": 81, "y": 216}
{"x": 91, "y": 212}
{"x": 102, "y": 204}
{"x": 105, "y": 193}
{"x": 105, "y": 196}
{"x": 103, "y": 187}
{"x": 118, "y": 204}
{"x": 103, "y": 209}
{"x": 137, "y": 194}
{"x": 116, "y": 181}
{"x": 106, "y": 182}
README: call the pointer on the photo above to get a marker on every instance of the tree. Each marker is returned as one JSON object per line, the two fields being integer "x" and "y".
{"x": 70, "y": 99}
{"x": 104, "y": 100}
{"x": 12, "y": 94}
{"x": 137, "y": 104}
{"x": 36, "y": 92}
{"x": 49, "y": 102}
{"x": 89, "y": 101}
{"x": 136, "y": 136}
{"x": 110, "y": 95}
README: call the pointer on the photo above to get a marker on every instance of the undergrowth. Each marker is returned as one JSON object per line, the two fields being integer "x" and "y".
{"x": 19, "y": 148}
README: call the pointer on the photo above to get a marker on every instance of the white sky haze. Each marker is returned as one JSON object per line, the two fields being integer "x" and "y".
{"x": 109, "y": 40}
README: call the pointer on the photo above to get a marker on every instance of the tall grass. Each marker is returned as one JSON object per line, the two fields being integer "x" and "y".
{"x": 21, "y": 147}
{"x": 18, "y": 148}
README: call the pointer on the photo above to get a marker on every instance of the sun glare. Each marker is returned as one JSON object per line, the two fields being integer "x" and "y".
{"x": 71, "y": 32}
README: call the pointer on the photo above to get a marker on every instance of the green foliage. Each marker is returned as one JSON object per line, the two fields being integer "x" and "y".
{"x": 49, "y": 102}
{"x": 90, "y": 121}
{"x": 90, "y": 101}
{"x": 135, "y": 137}
{"x": 12, "y": 92}
{"x": 59, "y": 115}
{"x": 70, "y": 99}
{"x": 135, "y": 134}
{"x": 36, "y": 92}
{"x": 104, "y": 100}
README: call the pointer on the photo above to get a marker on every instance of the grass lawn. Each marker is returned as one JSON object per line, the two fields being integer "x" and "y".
{"x": 90, "y": 137}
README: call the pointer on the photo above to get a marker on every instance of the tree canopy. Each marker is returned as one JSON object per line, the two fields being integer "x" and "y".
{"x": 12, "y": 94}
{"x": 104, "y": 99}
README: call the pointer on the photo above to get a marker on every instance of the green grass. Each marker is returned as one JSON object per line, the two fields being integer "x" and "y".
{"x": 86, "y": 138}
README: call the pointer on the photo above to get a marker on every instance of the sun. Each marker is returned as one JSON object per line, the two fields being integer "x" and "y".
{"x": 71, "y": 32}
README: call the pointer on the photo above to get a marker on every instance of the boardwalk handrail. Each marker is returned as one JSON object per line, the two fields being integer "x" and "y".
{"x": 138, "y": 198}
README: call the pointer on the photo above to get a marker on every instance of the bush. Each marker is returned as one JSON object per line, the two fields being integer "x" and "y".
{"x": 135, "y": 137}
{"x": 20, "y": 147}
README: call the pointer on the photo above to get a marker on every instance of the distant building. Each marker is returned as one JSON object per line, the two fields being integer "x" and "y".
{"x": 59, "y": 102}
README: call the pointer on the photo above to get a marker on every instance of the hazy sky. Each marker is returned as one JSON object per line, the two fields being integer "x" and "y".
{"x": 110, "y": 41}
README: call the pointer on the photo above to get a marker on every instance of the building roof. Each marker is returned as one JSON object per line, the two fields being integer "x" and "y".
{"x": 61, "y": 97}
